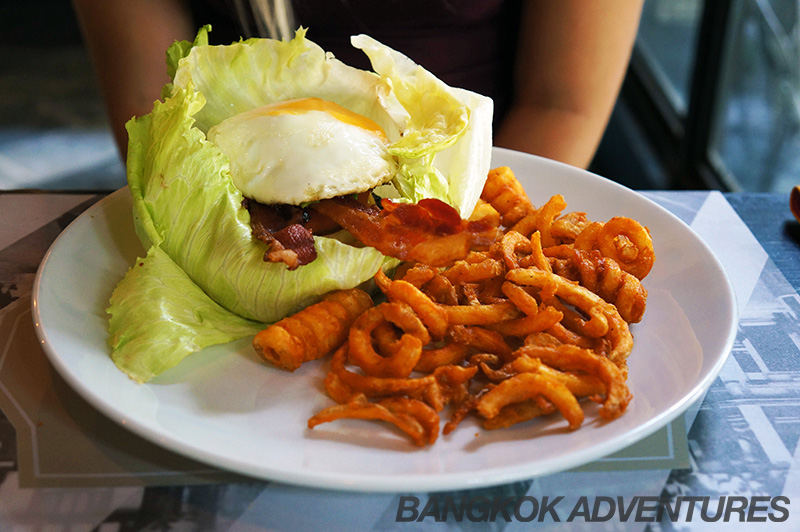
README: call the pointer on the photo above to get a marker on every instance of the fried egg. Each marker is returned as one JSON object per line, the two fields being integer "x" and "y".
{"x": 303, "y": 150}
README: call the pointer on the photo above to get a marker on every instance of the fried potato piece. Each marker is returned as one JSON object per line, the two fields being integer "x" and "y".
{"x": 463, "y": 409}
{"x": 312, "y": 332}
{"x": 603, "y": 314}
{"x": 450, "y": 353}
{"x": 402, "y": 358}
{"x": 626, "y": 241}
{"x": 541, "y": 219}
{"x": 565, "y": 336}
{"x": 481, "y": 314}
{"x": 505, "y": 193}
{"x": 482, "y": 339}
{"x": 594, "y": 327}
{"x": 418, "y": 420}
{"x": 572, "y": 358}
{"x": 432, "y": 315}
{"x": 517, "y": 413}
{"x": 572, "y": 293}
{"x": 526, "y": 325}
{"x": 587, "y": 238}
{"x": 512, "y": 243}
{"x": 444, "y": 384}
{"x": 603, "y": 276}
{"x": 469, "y": 272}
{"x": 566, "y": 228}
{"x": 524, "y": 301}
{"x": 526, "y": 386}
{"x": 441, "y": 290}
{"x": 373, "y": 386}
{"x": 579, "y": 383}
{"x": 485, "y": 213}
{"x": 417, "y": 274}
{"x": 623, "y": 239}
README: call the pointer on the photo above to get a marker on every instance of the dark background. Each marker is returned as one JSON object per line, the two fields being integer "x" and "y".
{"x": 47, "y": 81}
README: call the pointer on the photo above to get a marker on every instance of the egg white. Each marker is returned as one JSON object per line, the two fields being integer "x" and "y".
{"x": 302, "y": 155}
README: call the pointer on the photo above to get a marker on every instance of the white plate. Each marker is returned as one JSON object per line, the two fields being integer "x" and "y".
{"x": 224, "y": 407}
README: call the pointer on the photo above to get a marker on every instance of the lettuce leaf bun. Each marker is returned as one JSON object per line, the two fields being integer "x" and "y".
{"x": 203, "y": 280}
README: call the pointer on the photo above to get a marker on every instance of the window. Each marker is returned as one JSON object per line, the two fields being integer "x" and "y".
{"x": 714, "y": 91}
{"x": 666, "y": 42}
{"x": 755, "y": 140}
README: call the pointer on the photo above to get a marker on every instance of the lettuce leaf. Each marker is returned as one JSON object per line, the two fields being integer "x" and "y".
{"x": 159, "y": 316}
{"x": 187, "y": 209}
{"x": 204, "y": 280}
{"x": 445, "y": 149}
{"x": 256, "y": 72}
{"x": 180, "y": 49}
{"x": 185, "y": 203}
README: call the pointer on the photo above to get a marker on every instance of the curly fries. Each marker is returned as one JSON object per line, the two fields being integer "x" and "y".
{"x": 535, "y": 324}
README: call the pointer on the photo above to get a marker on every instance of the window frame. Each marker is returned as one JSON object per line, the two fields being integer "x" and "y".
{"x": 682, "y": 143}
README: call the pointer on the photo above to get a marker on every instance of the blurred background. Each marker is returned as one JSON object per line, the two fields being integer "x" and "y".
{"x": 53, "y": 129}
{"x": 711, "y": 101}
{"x": 712, "y": 98}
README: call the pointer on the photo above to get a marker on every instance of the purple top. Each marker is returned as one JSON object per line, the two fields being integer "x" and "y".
{"x": 466, "y": 43}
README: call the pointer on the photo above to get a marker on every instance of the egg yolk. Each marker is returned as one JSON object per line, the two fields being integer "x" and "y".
{"x": 303, "y": 105}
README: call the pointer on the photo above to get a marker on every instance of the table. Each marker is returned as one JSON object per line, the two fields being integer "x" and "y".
{"x": 734, "y": 456}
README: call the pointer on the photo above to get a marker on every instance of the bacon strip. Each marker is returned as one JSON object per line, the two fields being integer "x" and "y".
{"x": 292, "y": 244}
{"x": 430, "y": 231}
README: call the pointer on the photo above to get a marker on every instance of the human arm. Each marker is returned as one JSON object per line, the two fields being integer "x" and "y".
{"x": 127, "y": 41}
{"x": 571, "y": 60}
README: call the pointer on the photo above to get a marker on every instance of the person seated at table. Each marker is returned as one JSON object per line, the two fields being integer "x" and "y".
{"x": 553, "y": 68}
